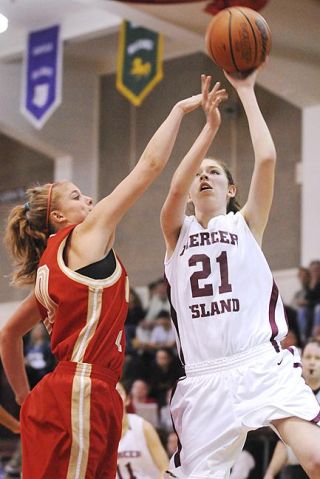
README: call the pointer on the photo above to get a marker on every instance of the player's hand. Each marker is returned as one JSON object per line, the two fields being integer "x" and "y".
{"x": 20, "y": 398}
{"x": 211, "y": 100}
{"x": 190, "y": 104}
{"x": 239, "y": 80}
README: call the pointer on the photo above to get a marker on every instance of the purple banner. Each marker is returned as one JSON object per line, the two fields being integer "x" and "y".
{"x": 41, "y": 93}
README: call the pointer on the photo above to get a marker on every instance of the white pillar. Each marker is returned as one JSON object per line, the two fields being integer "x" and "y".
{"x": 310, "y": 210}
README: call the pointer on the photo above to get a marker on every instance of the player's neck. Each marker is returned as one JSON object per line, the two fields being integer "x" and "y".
{"x": 203, "y": 217}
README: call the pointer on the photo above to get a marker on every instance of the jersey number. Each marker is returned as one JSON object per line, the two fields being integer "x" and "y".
{"x": 205, "y": 271}
{"x": 130, "y": 472}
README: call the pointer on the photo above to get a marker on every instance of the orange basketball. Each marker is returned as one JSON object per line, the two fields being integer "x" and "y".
{"x": 238, "y": 39}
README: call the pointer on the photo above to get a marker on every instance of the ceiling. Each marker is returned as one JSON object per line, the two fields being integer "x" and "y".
{"x": 90, "y": 32}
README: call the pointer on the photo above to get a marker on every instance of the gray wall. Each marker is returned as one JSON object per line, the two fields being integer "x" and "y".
{"x": 20, "y": 167}
{"x": 139, "y": 240}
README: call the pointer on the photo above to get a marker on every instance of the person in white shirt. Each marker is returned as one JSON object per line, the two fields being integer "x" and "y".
{"x": 162, "y": 335}
{"x": 140, "y": 453}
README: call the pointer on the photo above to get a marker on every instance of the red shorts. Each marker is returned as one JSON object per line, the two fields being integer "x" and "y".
{"x": 71, "y": 424}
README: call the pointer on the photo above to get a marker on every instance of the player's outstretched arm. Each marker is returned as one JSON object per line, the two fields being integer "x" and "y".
{"x": 105, "y": 216}
{"x": 11, "y": 345}
{"x": 173, "y": 210}
{"x": 155, "y": 447}
{"x": 257, "y": 208}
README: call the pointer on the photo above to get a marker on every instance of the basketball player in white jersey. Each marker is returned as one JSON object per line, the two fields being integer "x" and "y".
{"x": 310, "y": 362}
{"x": 140, "y": 452}
{"x": 228, "y": 315}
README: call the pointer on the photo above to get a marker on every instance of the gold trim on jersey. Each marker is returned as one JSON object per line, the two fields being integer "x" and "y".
{"x": 127, "y": 289}
{"x": 87, "y": 332}
{"x": 80, "y": 422}
{"x": 41, "y": 292}
{"x": 80, "y": 278}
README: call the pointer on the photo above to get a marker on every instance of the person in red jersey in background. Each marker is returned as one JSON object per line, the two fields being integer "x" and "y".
{"x": 71, "y": 421}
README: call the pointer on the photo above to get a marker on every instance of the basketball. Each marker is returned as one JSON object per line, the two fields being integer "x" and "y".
{"x": 238, "y": 39}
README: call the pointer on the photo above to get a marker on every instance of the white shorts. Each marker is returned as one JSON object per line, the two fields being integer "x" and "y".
{"x": 218, "y": 402}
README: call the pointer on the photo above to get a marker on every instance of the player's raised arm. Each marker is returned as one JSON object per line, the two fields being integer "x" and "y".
{"x": 257, "y": 208}
{"x": 173, "y": 210}
{"x": 108, "y": 212}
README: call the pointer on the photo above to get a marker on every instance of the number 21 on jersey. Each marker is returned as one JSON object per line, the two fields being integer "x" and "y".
{"x": 204, "y": 261}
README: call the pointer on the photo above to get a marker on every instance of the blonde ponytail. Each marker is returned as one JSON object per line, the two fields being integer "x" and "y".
{"x": 27, "y": 232}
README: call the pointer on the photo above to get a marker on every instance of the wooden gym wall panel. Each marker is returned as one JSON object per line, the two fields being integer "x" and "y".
{"x": 20, "y": 167}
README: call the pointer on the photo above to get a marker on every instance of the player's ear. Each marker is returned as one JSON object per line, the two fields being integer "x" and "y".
{"x": 56, "y": 216}
{"x": 232, "y": 191}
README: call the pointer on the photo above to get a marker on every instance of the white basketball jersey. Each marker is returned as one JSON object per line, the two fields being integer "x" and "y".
{"x": 134, "y": 458}
{"x": 222, "y": 293}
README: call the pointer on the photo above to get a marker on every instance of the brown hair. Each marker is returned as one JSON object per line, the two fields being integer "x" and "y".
{"x": 27, "y": 232}
{"x": 233, "y": 204}
{"x": 312, "y": 340}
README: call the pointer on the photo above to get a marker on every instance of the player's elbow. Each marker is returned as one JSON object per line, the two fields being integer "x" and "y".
{"x": 269, "y": 156}
{"x": 177, "y": 190}
{"x": 3, "y": 340}
{"x": 7, "y": 336}
{"x": 152, "y": 164}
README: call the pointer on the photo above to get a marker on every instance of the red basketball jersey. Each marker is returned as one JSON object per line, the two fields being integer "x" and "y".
{"x": 85, "y": 317}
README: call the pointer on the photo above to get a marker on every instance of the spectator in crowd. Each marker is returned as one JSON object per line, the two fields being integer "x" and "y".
{"x": 139, "y": 394}
{"x": 158, "y": 299}
{"x": 38, "y": 357}
{"x": 134, "y": 368}
{"x": 299, "y": 298}
{"x": 142, "y": 403}
{"x": 162, "y": 335}
{"x": 142, "y": 341}
{"x": 293, "y": 336}
{"x": 309, "y": 307}
{"x": 164, "y": 371}
{"x": 314, "y": 295}
{"x": 134, "y": 316}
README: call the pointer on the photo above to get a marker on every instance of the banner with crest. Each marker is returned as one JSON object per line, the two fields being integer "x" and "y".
{"x": 140, "y": 62}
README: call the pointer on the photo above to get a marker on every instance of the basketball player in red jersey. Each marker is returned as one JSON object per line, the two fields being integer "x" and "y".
{"x": 71, "y": 422}
{"x": 227, "y": 312}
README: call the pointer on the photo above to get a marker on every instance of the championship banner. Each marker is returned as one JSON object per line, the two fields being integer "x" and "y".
{"x": 139, "y": 61}
{"x": 41, "y": 87}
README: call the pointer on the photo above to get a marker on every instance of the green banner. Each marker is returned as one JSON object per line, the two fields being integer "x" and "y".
{"x": 139, "y": 61}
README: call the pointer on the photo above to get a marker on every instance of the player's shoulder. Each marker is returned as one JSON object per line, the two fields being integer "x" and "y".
{"x": 135, "y": 419}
